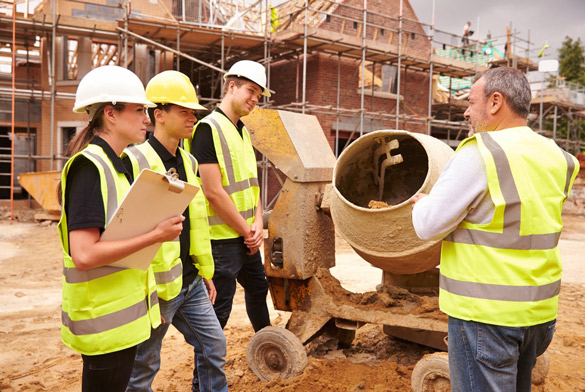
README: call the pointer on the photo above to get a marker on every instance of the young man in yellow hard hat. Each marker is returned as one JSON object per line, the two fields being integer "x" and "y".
{"x": 183, "y": 269}
{"x": 221, "y": 143}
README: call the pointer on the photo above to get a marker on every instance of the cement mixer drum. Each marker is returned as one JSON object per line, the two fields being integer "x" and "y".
{"x": 385, "y": 169}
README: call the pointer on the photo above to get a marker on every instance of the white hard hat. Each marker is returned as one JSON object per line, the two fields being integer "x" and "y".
{"x": 252, "y": 71}
{"x": 109, "y": 83}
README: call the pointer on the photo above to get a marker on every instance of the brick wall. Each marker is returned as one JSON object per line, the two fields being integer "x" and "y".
{"x": 322, "y": 71}
{"x": 380, "y": 13}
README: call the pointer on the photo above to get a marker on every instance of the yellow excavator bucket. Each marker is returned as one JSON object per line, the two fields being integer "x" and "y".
{"x": 43, "y": 187}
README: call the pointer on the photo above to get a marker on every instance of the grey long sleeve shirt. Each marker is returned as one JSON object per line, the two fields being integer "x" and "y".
{"x": 461, "y": 192}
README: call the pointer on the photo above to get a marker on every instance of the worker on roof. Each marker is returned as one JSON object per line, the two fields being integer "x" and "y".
{"x": 107, "y": 311}
{"x": 497, "y": 206}
{"x": 227, "y": 167}
{"x": 183, "y": 269}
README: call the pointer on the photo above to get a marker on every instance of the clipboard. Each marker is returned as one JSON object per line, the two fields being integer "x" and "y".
{"x": 152, "y": 198}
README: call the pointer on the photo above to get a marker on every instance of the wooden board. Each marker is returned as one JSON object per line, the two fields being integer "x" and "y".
{"x": 152, "y": 198}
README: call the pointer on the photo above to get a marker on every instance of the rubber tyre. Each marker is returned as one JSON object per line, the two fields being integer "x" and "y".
{"x": 431, "y": 374}
{"x": 275, "y": 352}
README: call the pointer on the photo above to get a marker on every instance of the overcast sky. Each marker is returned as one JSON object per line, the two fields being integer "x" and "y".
{"x": 548, "y": 21}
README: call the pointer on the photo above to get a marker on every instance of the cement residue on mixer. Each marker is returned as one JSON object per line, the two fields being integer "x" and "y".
{"x": 376, "y": 205}
{"x": 386, "y": 297}
{"x": 374, "y": 362}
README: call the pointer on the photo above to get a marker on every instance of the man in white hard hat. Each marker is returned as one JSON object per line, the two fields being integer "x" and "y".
{"x": 227, "y": 168}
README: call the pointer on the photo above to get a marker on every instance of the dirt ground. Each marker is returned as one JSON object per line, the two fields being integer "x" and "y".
{"x": 32, "y": 357}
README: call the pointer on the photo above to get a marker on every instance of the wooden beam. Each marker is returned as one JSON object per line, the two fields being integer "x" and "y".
{"x": 109, "y": 54}
{"x": 404, "y": 42}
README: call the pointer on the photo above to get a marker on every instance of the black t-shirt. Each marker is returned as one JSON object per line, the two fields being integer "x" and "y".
{"x": 84, "y": 204}
{"x": 202, "y": 146}
{"x": 175, "y": 161}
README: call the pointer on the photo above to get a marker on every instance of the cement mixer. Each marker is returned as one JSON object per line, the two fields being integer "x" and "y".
{"x": 365, "y": 196}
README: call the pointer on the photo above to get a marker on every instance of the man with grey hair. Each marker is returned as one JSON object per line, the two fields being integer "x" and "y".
{"x": 497, "y": 207}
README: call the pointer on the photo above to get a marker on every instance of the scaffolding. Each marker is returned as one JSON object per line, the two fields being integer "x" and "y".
{"x": 63, "y": 39}
{"x": 557, "y": 101}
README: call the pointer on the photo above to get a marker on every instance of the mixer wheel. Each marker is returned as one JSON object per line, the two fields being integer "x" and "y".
{"x": 431, "y": 374}
{"x": 275, "y": 351}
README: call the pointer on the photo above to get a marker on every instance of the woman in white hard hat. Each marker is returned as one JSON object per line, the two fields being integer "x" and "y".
{"x": 107, "y": 311}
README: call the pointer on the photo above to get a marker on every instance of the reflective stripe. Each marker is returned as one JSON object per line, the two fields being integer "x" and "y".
{"x": 498, "y": 292}
{"x": 112, "y": 194}
{"x": 73, "y": 275}
{"x": 234, "y": 186}
{"x": 227, "y": 158}
{"x": 510, "y": 237}
{"x": 164, "y": 277}
{"x": 153, "y": 298}
{"x": 142, "y": 162}
{"x": 193, "y": 161}
{"x": 216, "y": 220}
{"x": 108, "y": 321}
{"x": 505, "y": 240}
{"x": 571, "y": 169}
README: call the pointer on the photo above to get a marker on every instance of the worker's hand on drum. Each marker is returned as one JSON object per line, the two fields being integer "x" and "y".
{"x": 415, "y": 199}
{"x": 169, "y": 229}
{"x": 211, "y": 290}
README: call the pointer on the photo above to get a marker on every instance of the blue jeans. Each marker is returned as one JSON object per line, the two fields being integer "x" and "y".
{"x": 231, "y": 264}
{"x": 485, "y": 357}
{"x": 192, "y": 314}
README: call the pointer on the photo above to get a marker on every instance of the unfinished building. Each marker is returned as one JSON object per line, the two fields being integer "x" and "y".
{"x": 357, "y": 65}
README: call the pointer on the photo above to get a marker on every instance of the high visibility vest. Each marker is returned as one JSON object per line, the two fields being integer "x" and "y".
{"x": 167, "y": 266}
{"x": 105, "y": 309}
{"x": 239, "y": 175}
{"x": 508, "y": 272}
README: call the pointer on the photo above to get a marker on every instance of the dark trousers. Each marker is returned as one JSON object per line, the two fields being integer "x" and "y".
{"x": 107, "y": 372}
{"x": 231, "y": 264}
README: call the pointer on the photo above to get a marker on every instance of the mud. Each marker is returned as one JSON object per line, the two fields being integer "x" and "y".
{"x": 386, "y": 297}
{"x": 32, "y": 357}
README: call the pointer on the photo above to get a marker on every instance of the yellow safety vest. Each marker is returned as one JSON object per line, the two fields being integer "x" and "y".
{"x": 167, "y": 266}
{"x": 239, "y": 175}
{"x": 508, "y": 272}
{"x": 105, "y": 309}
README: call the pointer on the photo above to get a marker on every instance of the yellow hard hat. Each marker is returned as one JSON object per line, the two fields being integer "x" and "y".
{"x": 173, "y": 87}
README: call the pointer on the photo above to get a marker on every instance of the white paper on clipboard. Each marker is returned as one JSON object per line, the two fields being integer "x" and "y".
{"x": 152, "y": 198}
